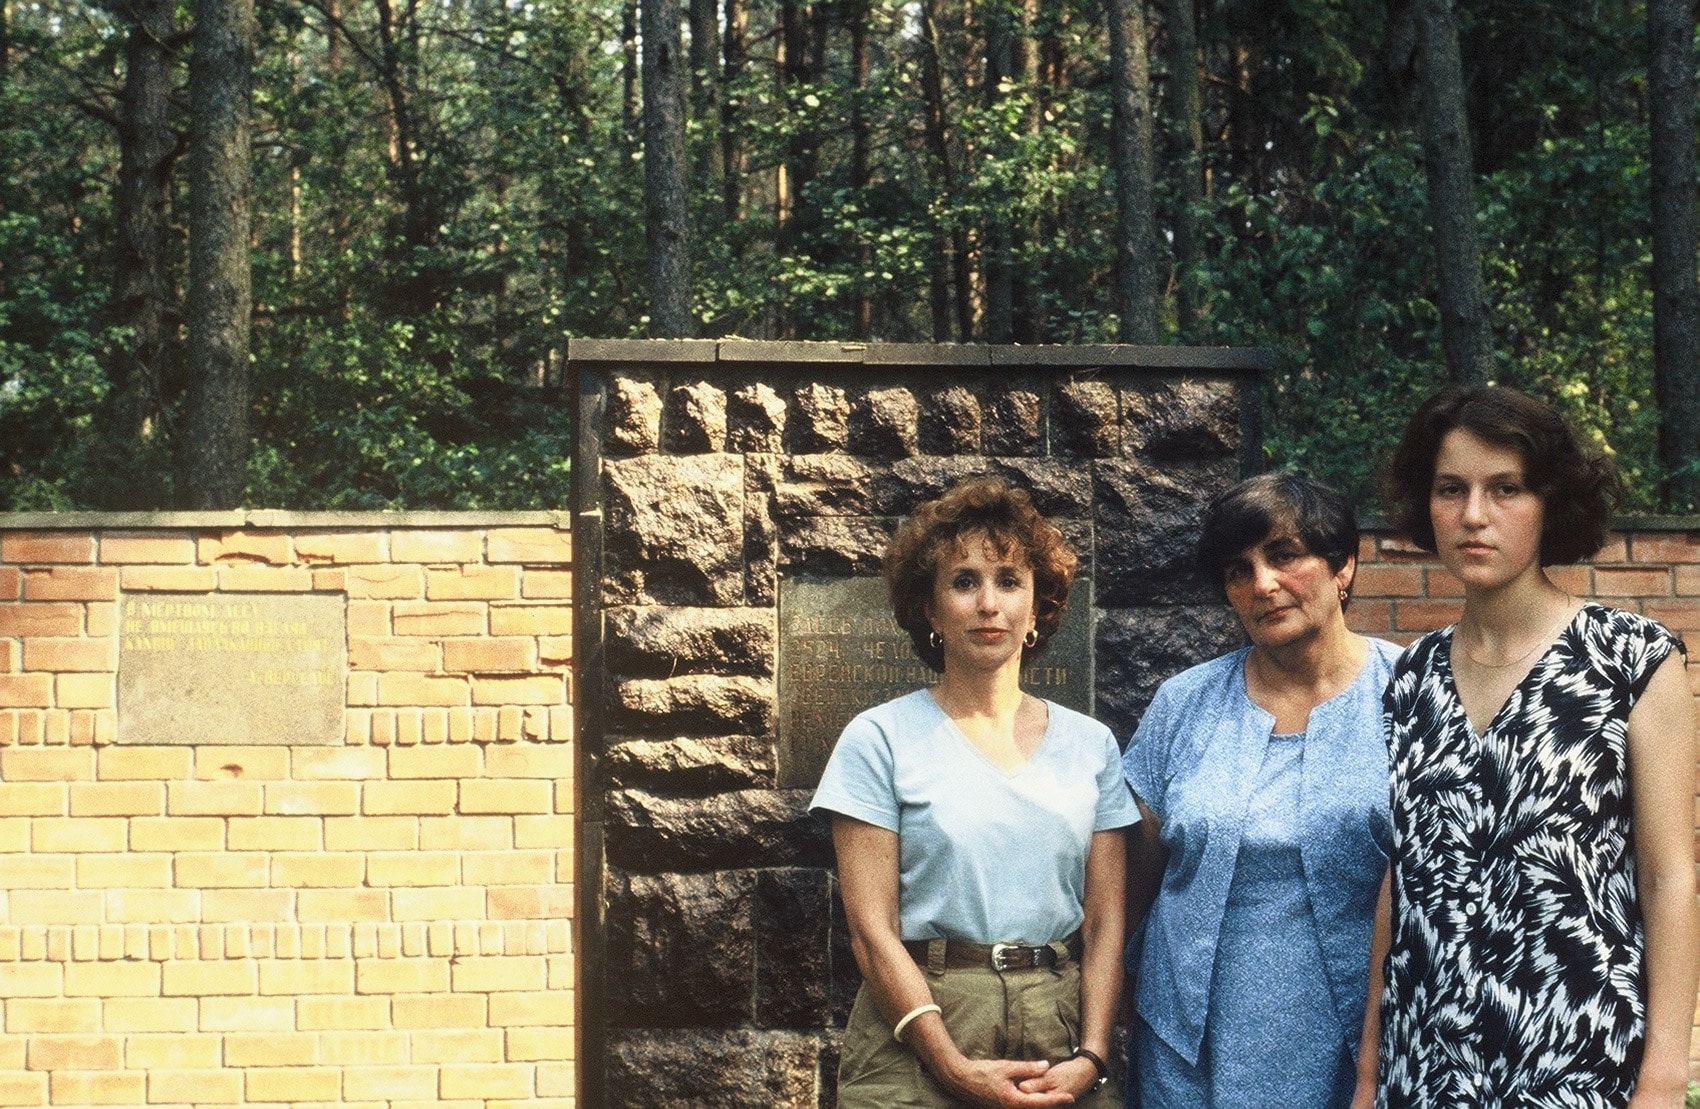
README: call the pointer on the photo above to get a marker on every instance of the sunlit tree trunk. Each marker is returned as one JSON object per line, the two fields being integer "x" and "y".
{"x": 666, "y": 218}
{"x": 1136, "y": 240}
{"x": 1465, "y": 331}
{"x": 630, "y": 107}
{"x": 705, "y": 85}
{"x": 1676, "y": 300}
{"x": 733, "y": 161}
{"x": 214, "y": 442}
{"x": 862, "y": 323}
{"x": 945, "y": 286}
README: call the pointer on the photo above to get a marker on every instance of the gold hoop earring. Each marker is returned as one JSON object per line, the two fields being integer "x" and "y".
{"x": 935, "y": 640}
{"x": 1031, "y": 639}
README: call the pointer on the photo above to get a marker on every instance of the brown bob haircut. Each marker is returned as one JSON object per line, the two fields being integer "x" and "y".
{"x": 1577, "y": 488}
{"x": 1005, "y": 516}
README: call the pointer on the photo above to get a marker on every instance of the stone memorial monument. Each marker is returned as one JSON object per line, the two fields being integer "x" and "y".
{"x": 732, "y": 503}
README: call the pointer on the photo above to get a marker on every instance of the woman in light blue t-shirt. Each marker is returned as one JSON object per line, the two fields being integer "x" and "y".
{"x": 980, "y": 834}
{"x": 1262, "y": 777}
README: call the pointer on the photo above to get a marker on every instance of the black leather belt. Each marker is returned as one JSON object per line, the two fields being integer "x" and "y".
{"x": 958, "y": 954}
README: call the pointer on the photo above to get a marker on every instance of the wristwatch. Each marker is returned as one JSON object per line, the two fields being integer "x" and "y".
{"x": 1098, "y": 1063}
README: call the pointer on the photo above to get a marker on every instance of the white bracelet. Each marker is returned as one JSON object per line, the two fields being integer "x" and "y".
{"x": 897, "y": 1033}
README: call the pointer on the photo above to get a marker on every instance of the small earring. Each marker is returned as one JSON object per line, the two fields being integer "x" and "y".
{"x": 1031, "y": 639}
{"x": 935, "y": 640}
{"x": 1344, "y": 593}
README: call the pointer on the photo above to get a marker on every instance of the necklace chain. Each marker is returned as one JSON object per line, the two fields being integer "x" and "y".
{"x": 1545, "y": 639}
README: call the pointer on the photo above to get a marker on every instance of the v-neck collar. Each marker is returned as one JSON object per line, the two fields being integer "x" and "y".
{"x": 962, "y": 737}
{"x": 1518, "y": 692}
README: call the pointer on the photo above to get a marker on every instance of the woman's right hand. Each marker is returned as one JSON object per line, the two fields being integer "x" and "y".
{"x": 996, "y": 1083}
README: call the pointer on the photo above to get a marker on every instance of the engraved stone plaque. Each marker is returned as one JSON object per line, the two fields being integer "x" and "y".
{"x": 236, "y": 668}
{"x": 841, "y": 651}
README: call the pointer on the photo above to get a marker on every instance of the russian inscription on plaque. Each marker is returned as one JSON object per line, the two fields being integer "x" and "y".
{"x": 249, "y": 668}
{"x": 841, "y": 651}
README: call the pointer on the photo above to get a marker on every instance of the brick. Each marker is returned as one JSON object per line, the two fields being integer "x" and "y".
{"x": 26, "y": 691}
{"x": 538, "y": 1044}
{"x": 272, "y": 1049}
{"x": 27, "y": 620}
{"x": 1422, "y": 616}
{"x": 11, "y": 583}
{"x": 249, "y": 546}
{"x": 120, "y": 979}
{"x": 505, "y": 795}
{"x": 341, "y": 546}
{"x": 1665, "y": 546}
{"x": 372, "y": 833}
{"x": 46, "y": 546}
{"x": 97, "y": 1088}
{"x": 32, "y": 799}
{"x": 85, "y": 691}
{"x": 222, "y": 869}
{"x": 533, "y": 689}
{"x": 378, "y": 976}
{"x": 458, "y": 1045}
{"x": 227, "y": 762}
{"x": 1680, "y": 614}
{"x": 47, "y": 766}
{"x": 531, "y": 902}
{"x": 117, "y": 798}
{"x": 77, "y": 834}
{"x": 555, "y": 650}
{"x": 531, "y": 620}
{"x": 340, "y": 870}
{"x": 176, "y": 833}
{"x": 68, "y": 654}
{"x": 19, "y": 1088}
{"x": 529, "y": 760}
{"x": 247, "y": 1014}
{"x": 172, "y": 579}
{"x": 404, "y": 688}
{"x": 143, "y": 763}
{"x": 334, "y": 1014}
{"x": 75, "y": 1053}
{"x": 152, "y": 906}
{"x": 470, "y": 583}
{"x": 275, "y": 833}
{"x": 501, "y": 973}
{"x": 436, "y": 903}
{"x": 511, "y": 655}
{"x": 168, "y": 1051}
{"x": 436, "y": 545}
{"x": 239, "y": 904}
{"x": 34, "y": 980}
{"x": 312, "y": 798}
{"x": 543, "y": 831}
{"x": 424, "y": 618}
{"x": 294, "y": 1084}
{"x": 225, "y": 798}
{"x": 546, "y": 585}
{"x": 1578, "y": 581}
{"x": 1627, "y": 581}
{"x": 412, "y": 868}
{"x": 56, "y": 906}
{"x": 71, "y": 583}
{"x": 365, "y": 1049}
{"x": 265, "y": 579}
{"x": 368, "y": 618}
{"x": 202, "y": 1087}
{"x": 394, "y": 653}
{"x": 435, "y": 762}
{"x": 306, "y": 976}
{"x": 338, "y": 764}
{"x": 549, "y": 1007}
{"x": 487, "y": 1080}
{"x": 439, "y": 1010}
{"x": 466, "y": 833}
{"x": 424, "y": 797}
{"x": 100, "y": 618}
{"x": 123, "y": 548}
{"x": 386, "y": 583}
{"x": 530, "y": 545}
{"x": 389, "y": 1083}
{"x": 47, "y": 1012}
{"x": 508, "y": 868}
{"x": 151, "y": 1014}
{"x": 126, "y": 871}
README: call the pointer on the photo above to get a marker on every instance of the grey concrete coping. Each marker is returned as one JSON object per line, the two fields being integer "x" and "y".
{"x": 276, "y": 519}
{"x": 751, "y": 351}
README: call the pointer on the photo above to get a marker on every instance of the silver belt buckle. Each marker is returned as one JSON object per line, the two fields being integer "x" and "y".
{"x": 1005, "y": 956}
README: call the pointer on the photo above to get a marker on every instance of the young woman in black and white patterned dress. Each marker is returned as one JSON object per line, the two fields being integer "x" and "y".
{"x": 1539, "y": 922}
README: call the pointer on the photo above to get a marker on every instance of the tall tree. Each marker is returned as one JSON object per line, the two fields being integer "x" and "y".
{"x": 1186, "y": 128}
{"x": 1136, "y": 239}
{"x": 734, "y": 48}
{"x": 218, "y": 301}
{"x": 1676, "y": 300}
{"x": 142, "y": 298}
{"x": 666, "y": 215}
{"x": 1465, "y": 330}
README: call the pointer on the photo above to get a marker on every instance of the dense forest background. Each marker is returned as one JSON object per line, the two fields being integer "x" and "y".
{"x": 444, "y": 190}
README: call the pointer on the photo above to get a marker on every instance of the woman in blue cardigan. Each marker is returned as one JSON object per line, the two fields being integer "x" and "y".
{"x": 1262, "y": 781}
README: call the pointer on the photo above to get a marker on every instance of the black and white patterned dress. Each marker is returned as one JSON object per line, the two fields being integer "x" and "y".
{"x": 1515, "y": 977}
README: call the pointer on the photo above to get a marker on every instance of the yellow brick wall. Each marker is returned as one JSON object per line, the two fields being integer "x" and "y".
{"x": 383, "y": 923}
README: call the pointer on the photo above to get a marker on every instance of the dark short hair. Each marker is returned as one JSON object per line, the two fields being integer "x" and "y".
{"x": 1006, "y": 516}
{"x": 1577, "y": 488}
{"x": 1246, "y": 514}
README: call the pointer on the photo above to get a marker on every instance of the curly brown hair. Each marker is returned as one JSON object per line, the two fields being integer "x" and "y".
{"x": 1004, "y": 514}
{"x": 1577, "y": 488}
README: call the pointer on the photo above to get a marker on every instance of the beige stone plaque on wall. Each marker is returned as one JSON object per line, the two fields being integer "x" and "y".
{"x": 239, "y": 668}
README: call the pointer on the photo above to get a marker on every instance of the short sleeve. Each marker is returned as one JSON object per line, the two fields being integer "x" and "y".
{"x": 1116, "y": 808}
{"x": 859, "y": 777}
{"x": 1146, "y": 764}
{"x": 1648, "y": 645}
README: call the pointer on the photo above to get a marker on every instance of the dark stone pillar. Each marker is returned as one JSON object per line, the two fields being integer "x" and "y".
{"x": 714, "y": 965}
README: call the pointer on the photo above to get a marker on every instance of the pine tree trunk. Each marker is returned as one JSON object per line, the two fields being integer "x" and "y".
{"x": 705, "y": 84}
{"x": 1676, "y": 300}
{"x": 667, "y": 222}
{"x": 1186, "y": 125}
{"x": 1136, "y": 239}
{"x": 733, "y": 161}
{"x": 1465, "y": 331}
{"x": 215, "y": 441}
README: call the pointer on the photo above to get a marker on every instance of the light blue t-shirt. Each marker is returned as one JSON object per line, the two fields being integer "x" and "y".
{"x": 985, "y": 855}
